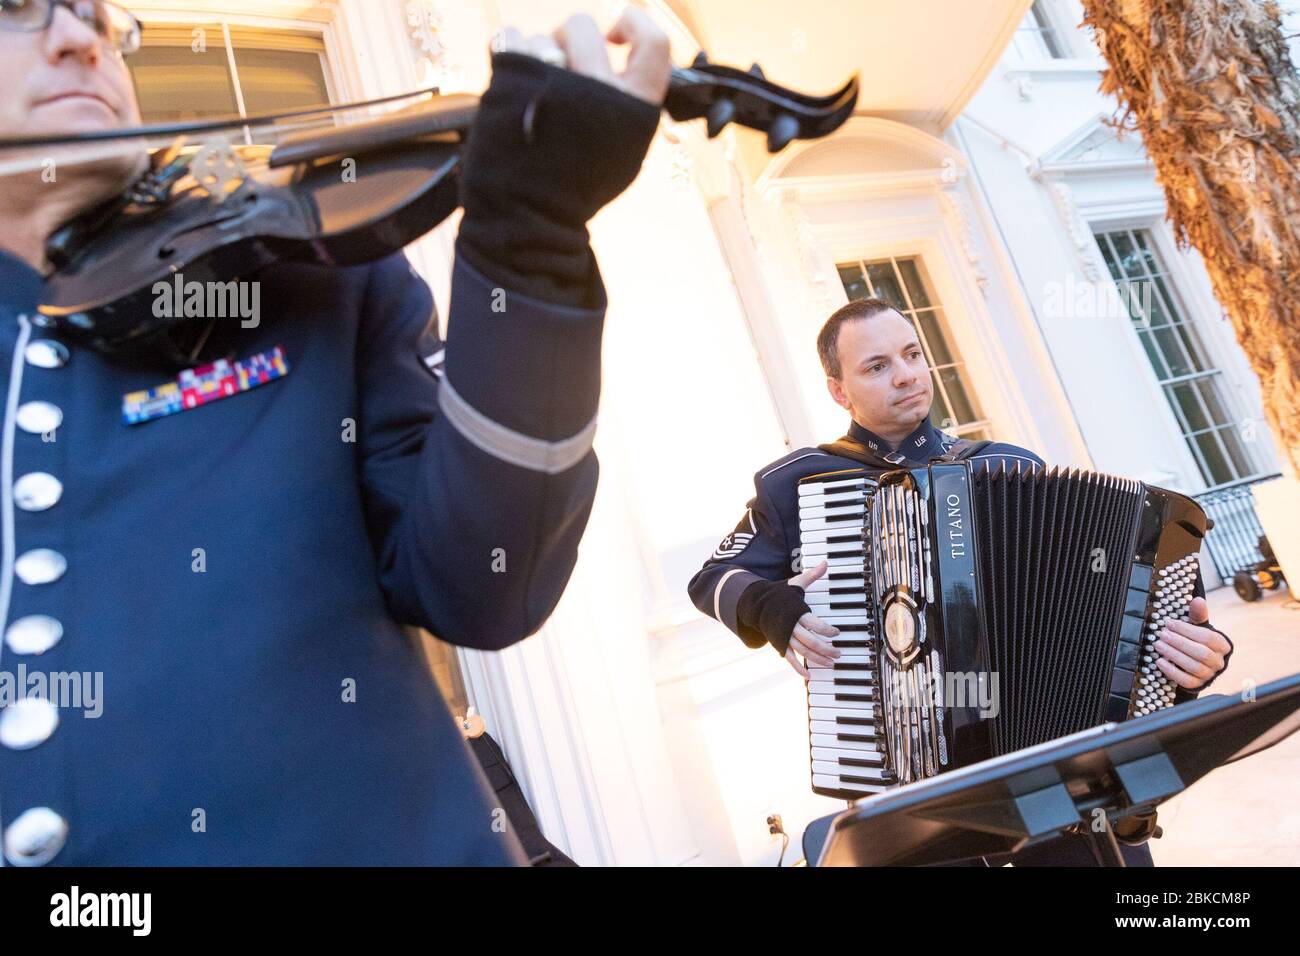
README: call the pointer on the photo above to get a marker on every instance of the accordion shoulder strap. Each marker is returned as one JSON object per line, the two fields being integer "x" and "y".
{"x": 962, "y": 449}
{"x": 847, "y": 447}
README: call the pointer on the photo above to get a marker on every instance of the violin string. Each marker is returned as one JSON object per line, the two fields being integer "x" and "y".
{"x": 72, "y": 154}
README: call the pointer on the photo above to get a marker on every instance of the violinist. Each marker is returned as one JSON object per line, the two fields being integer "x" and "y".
{"x": 233, "y": 551}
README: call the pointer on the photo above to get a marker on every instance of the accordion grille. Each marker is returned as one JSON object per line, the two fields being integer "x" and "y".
{"x": 1053, "y": 561}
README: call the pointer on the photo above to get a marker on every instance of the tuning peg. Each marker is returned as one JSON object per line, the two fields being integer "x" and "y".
{"x": 757, "y": 71}
{"x": 701, "y": 59}
{"x": 783, "y": 129}
{"x": 720, "y": 114}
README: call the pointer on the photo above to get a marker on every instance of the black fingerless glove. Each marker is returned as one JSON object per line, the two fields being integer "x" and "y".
{"x": 1181, "y": 694}
{"x": 772, "y": 608}
{"x": 548, "y": 148}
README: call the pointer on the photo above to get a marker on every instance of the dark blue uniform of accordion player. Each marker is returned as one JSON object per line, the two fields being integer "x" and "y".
{"x": 237, "y": 571}
{"x": 764, "y": 548}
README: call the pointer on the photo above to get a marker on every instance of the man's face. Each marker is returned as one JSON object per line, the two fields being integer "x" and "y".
{"x": 62, "y": 80}
{"x": 884, "y": 384}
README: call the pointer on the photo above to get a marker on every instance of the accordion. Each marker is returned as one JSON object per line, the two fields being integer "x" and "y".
{"x": 984, "y": 611}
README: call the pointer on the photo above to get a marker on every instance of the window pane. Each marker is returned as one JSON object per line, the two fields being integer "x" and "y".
{"x": 855, "y": 286}
{"x": 1184, "y": 396}
{"x": 1209, "y": 389}
{"x": 1191, "y": 340}
{"x": 280, "y": 79}
{"x": 1231, "y": 438}
{"x": 962, "y": 406}
{"x": 1153, "y": 354}
{"x": 1142, "y": 299}
{"x": 916, "y": 285}
{"x": 885, "y": 284}
{"x": 1168, "y": 343}
{"x": 1128, "y": 257}
{"x": 173, "y": 83}
{"x": 1220, "y": 471}
{"x": 1112, "y": 261}
{"x": 1045, "y": 31}
{"x": 1164, "y": 294}
{"x": 936, "y": 342}
{"x": 1146, "y": 255}
{"x": 940, "y": 417}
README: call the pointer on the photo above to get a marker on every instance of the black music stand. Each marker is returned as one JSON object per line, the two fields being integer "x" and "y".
{"x": 1024, "y": 798}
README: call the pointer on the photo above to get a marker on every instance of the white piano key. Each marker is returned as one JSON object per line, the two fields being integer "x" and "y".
{"x": 849, "y": 587}
{"x": 831, "y": 486}
{"x": 834, "y": 675}
{"x": 833, "y": 728}
{"x": 841, "y": 618}
{"x": 830, "y": 767}
{"x": 835, "y": 743}
{"x": 823, "y": 536}
{"x": 860, "y": 708}
{"x": 843, "y": 719}
{"x": 837, "y": 689}
{"x": 846, "y": 510}
{"x": 823, "y": 523}
{"x": 831, "y": 782}
{"x": 843, "y": 755}
{"x": 839, "y": 615}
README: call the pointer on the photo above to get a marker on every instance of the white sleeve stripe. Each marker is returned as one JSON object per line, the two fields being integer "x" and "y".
{"x": 511, "y": 446}
{"x": 717, "y": 592}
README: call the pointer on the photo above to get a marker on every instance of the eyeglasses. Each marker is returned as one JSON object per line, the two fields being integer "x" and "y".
{"x": 115, "y": 25}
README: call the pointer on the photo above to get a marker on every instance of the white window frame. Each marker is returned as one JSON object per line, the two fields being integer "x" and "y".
{"x": 340, "y": 79}
{"x": 1149, "y": 216}
{"x": 1051, "y": 14}
{"x": 983, "y": 423}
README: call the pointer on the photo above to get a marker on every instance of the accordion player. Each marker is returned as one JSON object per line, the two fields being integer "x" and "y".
{"x": 984, "y": 611}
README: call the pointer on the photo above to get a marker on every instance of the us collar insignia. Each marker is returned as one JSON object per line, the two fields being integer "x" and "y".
{"x": 207, "y": 383}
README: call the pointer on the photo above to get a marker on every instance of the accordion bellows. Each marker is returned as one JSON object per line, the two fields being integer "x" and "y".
{"x": 985, "y": 611}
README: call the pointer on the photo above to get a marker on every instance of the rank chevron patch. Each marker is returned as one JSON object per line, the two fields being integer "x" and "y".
{"x": 732, "y": 545}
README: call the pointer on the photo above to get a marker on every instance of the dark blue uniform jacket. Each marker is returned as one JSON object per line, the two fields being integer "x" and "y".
{"x": 356, "y": 494}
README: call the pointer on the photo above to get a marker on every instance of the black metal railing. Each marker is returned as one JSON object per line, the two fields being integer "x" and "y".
{"x": 1234, "y": 539}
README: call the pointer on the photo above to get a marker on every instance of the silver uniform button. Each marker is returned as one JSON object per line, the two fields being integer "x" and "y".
{"x": 35, "y": 837}
{"x": 37, "y": 491}
{"x": 41, "y": 566}
{"x": 28, "y": 722}
{"x": 46, "y": 353}
{"x": 37, "y": 418}
{"x": 34, "y": 634}
{"x": 40, "y": 320}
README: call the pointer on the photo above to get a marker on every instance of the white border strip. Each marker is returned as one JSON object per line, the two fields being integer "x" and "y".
{"x": 7, "y": 490}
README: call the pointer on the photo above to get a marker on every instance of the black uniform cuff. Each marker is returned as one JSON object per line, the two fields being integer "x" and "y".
{"x": 548, "y": 148}
{"x": 772, "y": 608}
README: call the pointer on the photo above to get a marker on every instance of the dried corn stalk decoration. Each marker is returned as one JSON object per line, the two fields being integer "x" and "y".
{"x": 1210, "y": 86}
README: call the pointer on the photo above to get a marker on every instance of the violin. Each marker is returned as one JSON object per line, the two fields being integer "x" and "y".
{"x": 342, "y": 196}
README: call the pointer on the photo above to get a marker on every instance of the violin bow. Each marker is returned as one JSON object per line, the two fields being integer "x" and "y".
{"x": 721, "y": 95}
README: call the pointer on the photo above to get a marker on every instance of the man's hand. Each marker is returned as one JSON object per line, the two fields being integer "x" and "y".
{"x": 811, "y": 636}
{"x": 1192, "y": 654}
{"x": 578, "y": 43}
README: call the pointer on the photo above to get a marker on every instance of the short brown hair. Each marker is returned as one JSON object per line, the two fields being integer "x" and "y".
{"x": 828, "y": 339}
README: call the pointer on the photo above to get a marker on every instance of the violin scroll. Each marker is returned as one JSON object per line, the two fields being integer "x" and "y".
{"x": 722, "y": 94}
